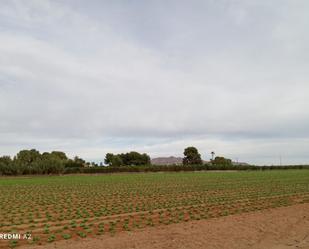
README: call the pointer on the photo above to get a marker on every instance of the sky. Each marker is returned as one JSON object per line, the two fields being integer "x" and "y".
{"x": 98, "y": 76}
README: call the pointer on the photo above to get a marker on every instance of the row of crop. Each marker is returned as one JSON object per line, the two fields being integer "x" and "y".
{"x": 84, "y": 228}
{"x": 114, "y": 206}
{"x": 96, "y": 204}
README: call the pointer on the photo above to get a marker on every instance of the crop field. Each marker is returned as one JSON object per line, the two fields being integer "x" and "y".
{"x": 74, "y": 207}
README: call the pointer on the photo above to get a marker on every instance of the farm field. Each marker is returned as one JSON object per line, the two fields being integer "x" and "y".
{"x": 276, "y": 228}
{"x": 85, "y": 206}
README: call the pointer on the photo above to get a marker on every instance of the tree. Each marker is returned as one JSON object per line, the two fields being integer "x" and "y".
{"x": 26, "y": 161}
{"x": 192, "y": 156}
{"x": 59, "y": 154}
{"x": 75, "y": 163}
{"x": 5, "y": 160}
{"x": 6, "y": 165}
{"x": 113, "y": 160}
{"x": 221, "y": 161}
{"x": 212, "y": 155}
{"x": 135, "y": 158}
{"x": 145, "y": 159}
{"x": 27, "y": 157}
{"x": 79, "y": 161}
{"x": 127, "y": 159}
{"x": 49, "y": 163}
{"x": 108, "y": 158}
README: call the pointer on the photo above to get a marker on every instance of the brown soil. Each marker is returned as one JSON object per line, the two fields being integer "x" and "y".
{"x": 279, "y": 228}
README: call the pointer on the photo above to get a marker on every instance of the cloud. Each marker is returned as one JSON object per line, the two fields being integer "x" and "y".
{"x": 155, "y": 77}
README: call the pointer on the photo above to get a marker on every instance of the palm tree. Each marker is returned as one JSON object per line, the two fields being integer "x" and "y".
{"x": 212, "y": 155}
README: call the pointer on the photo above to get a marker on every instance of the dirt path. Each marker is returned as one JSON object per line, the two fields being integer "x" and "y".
{"x": 281, "y": 228}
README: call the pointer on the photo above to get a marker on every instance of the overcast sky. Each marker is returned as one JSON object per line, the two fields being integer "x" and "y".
{"x": 91, "y": 77}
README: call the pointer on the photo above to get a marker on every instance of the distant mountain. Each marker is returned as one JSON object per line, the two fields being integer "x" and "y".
{"x": 166, "y": 160}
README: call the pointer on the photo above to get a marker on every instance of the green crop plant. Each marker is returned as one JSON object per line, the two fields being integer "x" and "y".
{"x": 51, "y": 238}
{"x": 66, "y": 236}
{"x": 71, "y": 203}
{"x": 81, "y": 234}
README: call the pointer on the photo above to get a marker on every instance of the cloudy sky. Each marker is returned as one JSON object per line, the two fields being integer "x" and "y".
{"x": 90, "y": 77}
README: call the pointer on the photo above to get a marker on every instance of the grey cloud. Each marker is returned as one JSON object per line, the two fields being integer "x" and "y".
{"x": 155, "y": 76}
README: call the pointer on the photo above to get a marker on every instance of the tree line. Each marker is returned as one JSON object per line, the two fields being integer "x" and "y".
{"x": 133, "y": 158}
{"x": 56, "y": 162}
{"x": 33, "y": 162}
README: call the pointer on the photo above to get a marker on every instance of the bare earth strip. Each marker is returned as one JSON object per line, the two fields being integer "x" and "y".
{"x": 279, "y": 228}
